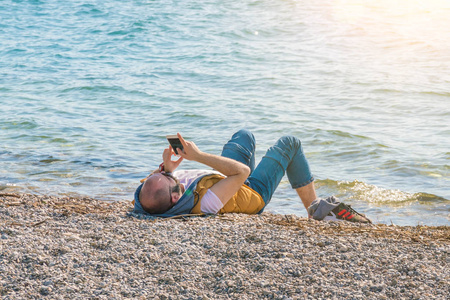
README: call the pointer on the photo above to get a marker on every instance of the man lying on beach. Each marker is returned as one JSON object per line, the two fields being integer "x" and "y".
{"x": 234, "y": 185}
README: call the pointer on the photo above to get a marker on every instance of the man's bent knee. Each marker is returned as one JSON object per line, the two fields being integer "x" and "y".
{"x": 246, "y": 134}
{"x": 291, "y": 141}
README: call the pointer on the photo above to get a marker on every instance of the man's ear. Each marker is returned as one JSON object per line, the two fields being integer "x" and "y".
{"x": 175, "y": 197}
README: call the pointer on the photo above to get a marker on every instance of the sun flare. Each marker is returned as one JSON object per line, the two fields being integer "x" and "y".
{"x": 354, "y": 10}
{"x": 407, "y": 21}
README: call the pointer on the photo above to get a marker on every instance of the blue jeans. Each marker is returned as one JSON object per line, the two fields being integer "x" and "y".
{"x": 286, "y": 156}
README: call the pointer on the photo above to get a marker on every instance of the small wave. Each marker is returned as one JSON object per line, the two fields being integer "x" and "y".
{"x": 50, "y": 160}
{"x": 429, "y": 93}
{"x": 18, "y": 125}
{"x": 361, "y": 191}
{"x": 387, "y": 91}
{"x": 93, "y": 88}
{"x": 181, "y": 114}
{"x": 119, "y": 32}
{"x": 339, "y": 133}
{"x": 16, "y": 51}
{"x": 397, "y": 91}
{"x": 88, "y": 9}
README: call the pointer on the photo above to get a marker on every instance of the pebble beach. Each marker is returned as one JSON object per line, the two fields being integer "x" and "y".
{"x": 61, "y": 248}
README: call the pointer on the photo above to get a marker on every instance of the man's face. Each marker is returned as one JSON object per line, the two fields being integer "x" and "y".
{"x": 161, "y": 190}
{"x": 173, "y": 188}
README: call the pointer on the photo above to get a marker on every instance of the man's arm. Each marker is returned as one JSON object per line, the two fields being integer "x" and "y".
{"x": 235, "y": 171}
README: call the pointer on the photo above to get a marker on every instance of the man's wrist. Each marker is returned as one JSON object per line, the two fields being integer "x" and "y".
{"x": 163, "y": 168}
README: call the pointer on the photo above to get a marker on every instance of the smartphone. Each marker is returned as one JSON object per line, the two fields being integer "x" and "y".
{"x": 175, "y": 142}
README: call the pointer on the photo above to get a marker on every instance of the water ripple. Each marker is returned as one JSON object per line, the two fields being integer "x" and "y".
{"x": 89, "y": 88}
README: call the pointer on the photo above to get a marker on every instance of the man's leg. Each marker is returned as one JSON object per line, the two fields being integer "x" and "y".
{"x": 241, "y": 147}
{"x": 307, "y": 194}
{"x": 286, "y": 156}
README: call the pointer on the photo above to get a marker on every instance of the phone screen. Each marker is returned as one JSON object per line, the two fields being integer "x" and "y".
{"x": 175, "y": 142}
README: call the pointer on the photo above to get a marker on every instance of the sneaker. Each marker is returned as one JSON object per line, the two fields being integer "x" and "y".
{"x": 344, "y": 212}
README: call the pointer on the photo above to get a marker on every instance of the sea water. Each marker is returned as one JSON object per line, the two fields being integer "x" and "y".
{"x": 89, "y": 89}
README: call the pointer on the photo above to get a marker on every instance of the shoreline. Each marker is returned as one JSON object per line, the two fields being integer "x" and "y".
{"x": 60, "y": 247}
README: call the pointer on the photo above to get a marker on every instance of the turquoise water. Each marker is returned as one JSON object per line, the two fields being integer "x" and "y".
{"x": 89, "y": 89}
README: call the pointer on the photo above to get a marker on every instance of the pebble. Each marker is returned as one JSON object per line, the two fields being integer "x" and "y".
{"x": 47, "y": 283}
{"x": 343, "y": 248}
{"x": 45, "y": 290}
{"x": 108, "y": 252}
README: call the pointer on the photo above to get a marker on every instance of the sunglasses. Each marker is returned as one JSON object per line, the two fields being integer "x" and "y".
{"x": 172, "y": 189}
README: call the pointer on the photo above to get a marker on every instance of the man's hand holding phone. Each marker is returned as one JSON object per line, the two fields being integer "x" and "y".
{"x": 179, "y": 146}
{"x": 190, "y": 150}
{"x": 169, "y": 164}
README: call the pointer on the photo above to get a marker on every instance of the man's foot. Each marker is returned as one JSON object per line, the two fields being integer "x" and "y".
{"x": 344, "y": 212}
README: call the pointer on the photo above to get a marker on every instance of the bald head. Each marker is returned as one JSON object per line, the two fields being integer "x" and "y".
{"x": 157, "y": 195}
